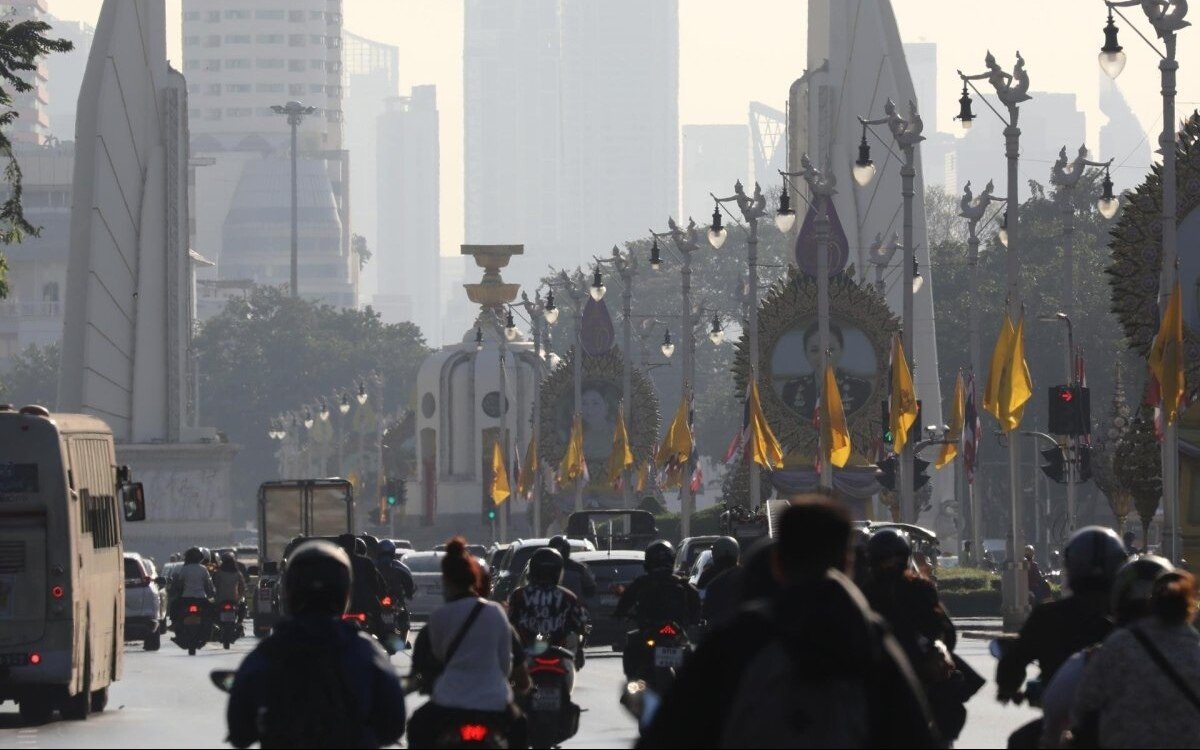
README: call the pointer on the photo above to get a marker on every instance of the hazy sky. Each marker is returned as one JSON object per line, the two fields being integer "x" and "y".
{"x": 730, "y": 56}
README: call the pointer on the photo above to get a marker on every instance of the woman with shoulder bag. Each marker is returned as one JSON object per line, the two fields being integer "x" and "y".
{"x": 465, "y": 658}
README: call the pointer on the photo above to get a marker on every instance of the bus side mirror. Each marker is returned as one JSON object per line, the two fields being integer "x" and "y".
{"x": 133, "y": 501}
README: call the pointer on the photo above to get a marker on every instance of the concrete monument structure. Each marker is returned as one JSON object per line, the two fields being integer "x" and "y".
{"x": 855, "y": 63}
{"x": 128, "y": 321}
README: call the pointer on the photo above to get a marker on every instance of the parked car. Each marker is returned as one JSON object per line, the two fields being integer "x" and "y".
{"x": 507, "y": 575}
{"x": 402, "y": 544}
{"x": 614, "y": 571}
{"x": 426, "y": 570}
{"x": 145, "y": 601}
{"x": 689, "y": 549}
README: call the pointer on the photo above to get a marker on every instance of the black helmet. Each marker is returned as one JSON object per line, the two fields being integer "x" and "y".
{"x": 559, "y": 542}
{"x": 888, "y": 544}
{"x": 660, "y": 555}
{"x": 192, "y": 556}
{"x": 726, "y": 548}
{"x": 347, "y": 542}
{"x": 1092, "y": 557}
{"x": 372, "y": 544}
{"x": 545, "y": 567}
{"x": 317, "y": 579}
{"x": 1133, "y": 585}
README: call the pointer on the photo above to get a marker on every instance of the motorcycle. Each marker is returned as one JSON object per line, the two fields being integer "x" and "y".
{"x": 191, "y": 626}
{"x": 472, "y": 732}
{"x": 657, "y": 654}
{"x": 228, "y": 627}
{"x": 550, "y": 714}
{"x": 393, "y": 627}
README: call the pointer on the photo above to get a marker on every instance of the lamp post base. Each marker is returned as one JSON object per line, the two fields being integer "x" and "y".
{"x": 1014, "y": 584}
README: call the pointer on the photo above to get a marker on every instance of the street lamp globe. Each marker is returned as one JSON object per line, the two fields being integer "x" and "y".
{"x": 554, "y": 360}
{"x": 655, "y": 256}
{"x": 716, "y": 232}
{"x": 1108, "y": 203}
{"x": 344, "y": 404}
{"x": 785, "y": 219}
{"x": 598, "y": 289}
{"x": 323, "y": 412}
{"x": 864, "y": 169}
{"x": 478, "y": 338}
{"x": 1111, "y": 57}
{"x": 308, "y": 419}
{"x": 1003, "y": 233}
{"x": 667, "y": 347}
{"x": 917, "y": 281}
{"x": 362, "y": 393}
{"x": 551, "y": 309}
{"x": 510, "y": 327}
{"x": 965, "y": 115}
{"x": 716, "y": 334}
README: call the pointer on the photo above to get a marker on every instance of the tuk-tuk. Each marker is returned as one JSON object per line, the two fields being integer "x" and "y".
{"x": 622, "y": 528}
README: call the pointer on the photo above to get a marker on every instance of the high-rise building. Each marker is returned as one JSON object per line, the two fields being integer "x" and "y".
{"x": 32, "y": 124}
{"x": 935, "y": 150}
{"x": 571, "y": 125}
{"x": 64, "y": 74}
{"x": 372, "y": 77}
{"x": 1122, "y": 138}
{"x": 408, "y": 245}
{"x": 713, "y": 157}
{"x": 240, "y": 60}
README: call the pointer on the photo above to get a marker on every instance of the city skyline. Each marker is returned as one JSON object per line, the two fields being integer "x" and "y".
{"x": 722, "y": 50}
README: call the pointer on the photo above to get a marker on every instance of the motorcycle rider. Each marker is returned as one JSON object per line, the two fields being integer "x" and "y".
{"x": 396, "y": 575}
{"x": 577, "y": 577}
{"x": 721, "y": 582}
{"x": 194, "y": 583}
{"x": 314, "y": 665}
{"x": 656, "y": 597}
{"x": 368, "y": 586}
{"x": 230, "y": 585}
{"x": 546, "y": 608}
{"x": 1057, "y": 629}
{"x": 909, "y": 603}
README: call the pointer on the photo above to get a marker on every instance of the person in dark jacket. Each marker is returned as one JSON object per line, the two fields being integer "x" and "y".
{"x": 1055, "y": 630}
{"x": 577, "y": 577}
{"x": 723, "y": 585}
{"x": 829, "y": 632}
{"x": 317, "y": 681}
{"x": 368, "y": 586}
{"x": 656, "y": 597}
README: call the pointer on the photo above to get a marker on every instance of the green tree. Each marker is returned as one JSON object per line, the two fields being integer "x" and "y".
{"x": 21, "y": 44}
{"x": 33, "y": 377}
{"x": 270, "y": 353}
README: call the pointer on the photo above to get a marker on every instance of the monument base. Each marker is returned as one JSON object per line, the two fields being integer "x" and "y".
{"x": 189, "y": 496}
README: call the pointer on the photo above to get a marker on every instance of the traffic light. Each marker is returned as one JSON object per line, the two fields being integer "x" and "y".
{"x": 1070, "y": 410}
{"x": 395, "y": 488}
{"x": 1057, "y": 468}
{"x": 384, "y": 509}
{"x": 920, "y": 478}
{"x": 914, "y": 432}
{"x": 489, "y": 512}
{"x": 1085, "y": 462}
{"x": 888, "y": 468}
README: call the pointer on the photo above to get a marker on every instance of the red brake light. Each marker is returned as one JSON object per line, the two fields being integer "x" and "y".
{"x": 355, "y": 616}
{"x": 473, "y": 732}
{"x": 193, "y": 609}
{"x": 386, "y": 601}
{"x": 547, "y": 664}
{"x": 618, "y": 588}
{"x": 35, "y": 658}
{"x": 227, "y": 606}
{"x": 667, "y": 629}
{"x": 57, "y": 592}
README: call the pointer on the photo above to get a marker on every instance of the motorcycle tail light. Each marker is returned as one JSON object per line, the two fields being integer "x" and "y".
{"x": 548, "y": 664}
{"x": 35, "y": 658}
{"x": 57, "y": 592}
{"x": 193, "y": 609}
{"x": 360, "y": 617}
{"x": 668, "y": 629}
{"x": 472, "y": 732}
{"x": 386, "y": 601}
{"x": 227, "y": 606}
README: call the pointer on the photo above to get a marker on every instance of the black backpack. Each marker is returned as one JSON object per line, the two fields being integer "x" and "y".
{"x": 309, "y": 703}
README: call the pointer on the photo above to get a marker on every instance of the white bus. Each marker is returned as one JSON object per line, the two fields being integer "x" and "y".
{"x": 62, "y": 599}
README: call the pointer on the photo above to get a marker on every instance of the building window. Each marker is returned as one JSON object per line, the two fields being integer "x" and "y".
{"x": 191, "y": 64}
{"x": 316, "y": 88}
{"x": 212, "y": 114}
{"x": 237, "y": 88}
{"x": 268, "y": 88}
{"x": 212, "y": 40}
{"x": 238, "y": 63}
{"x": 268, "y": 62}
{"x": 269, "y": 39}
{"x": 296, "y": 89}
{"x": 295, "y": 40}
{"x": 237, "y": 15}
{"x": 212, "y": 64}
{"x": 296, "y": 16}
{"x": 214, "y": 16}
{"x": 238, "y": 111}
{"x": 316, "y": 15}
{"x": 237, "y": 38}
{"x": 269, "y": 15}
{"x": 316, "y": 64}
{"x": 317, "y": 39}
{"x": 214, "y": 89}
{"x": 192, "y": 15}
{"x": 296, "y": 66}
{"x": 50, "y": 292}
{"x": 189, "y": 41}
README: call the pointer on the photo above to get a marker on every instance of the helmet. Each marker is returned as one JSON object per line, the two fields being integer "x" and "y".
{"x": 387, "y": 548}
{"x": 192, "y": 556}
{"x": 1134, "y": 583}
{"x": 206, "y": 555}
{"x": 1029, "y": 551}
{"x": 726, "y": 548}
{"x": 228, "y": 557}
{"x": 545, "y": 567}
{"x": 1092, "y": 557}
{"x": 371, "y": 542}
{"x": 660, "y": 555}
{"x": 347, "y": 542}
{"x": 317, "y": 579}
{"x": 559, "y": 542}
{"x": 888, "y": 544}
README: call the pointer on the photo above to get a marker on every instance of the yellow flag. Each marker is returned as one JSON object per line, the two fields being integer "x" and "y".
{"x": 903, "y": 409}
{"x": 1016, "y": 386}
{"x": 1000, "y": 354}
{"x": 621, "y": 456}
{"x": 571, "y": 467}
{"x": 642, "y": 475}
{"x": 529, "y": 470}
{"x": 1166, "y": 357}
{"x": 500, "y": 488}
{"x": 676, "y": 446}
{"x": 833, "y": 421}
{"x": 764, "y": 447}
{"x": 957, "y": 411}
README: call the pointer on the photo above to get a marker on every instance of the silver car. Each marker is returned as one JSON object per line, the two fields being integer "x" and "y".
{"x": 426, "y": 570}
{"x": 145, "y": 601}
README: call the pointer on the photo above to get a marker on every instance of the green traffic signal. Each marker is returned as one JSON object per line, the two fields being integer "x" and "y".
{"x": 491, "y": 514}
{"x": 391, "y": 500}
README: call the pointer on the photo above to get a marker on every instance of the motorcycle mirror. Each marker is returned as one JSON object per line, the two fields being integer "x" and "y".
{"x": 995, "y": 649}
{"x": 222, "y": 678}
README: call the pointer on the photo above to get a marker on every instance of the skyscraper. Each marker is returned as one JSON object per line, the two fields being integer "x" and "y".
{"x": 922, "y": 66}
{"x": 64, "y": 74}
{"x": 408, "y": 245}
{"x": 240, "y": 59}
{"x": 1122, "y": 138}
{"x": 571, "y": 125}
{"x": 32, "y": 124}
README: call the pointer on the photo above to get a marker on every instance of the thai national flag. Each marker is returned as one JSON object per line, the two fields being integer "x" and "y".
{"x": 737, "y": 446}
{"x": 971, "y": 430}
